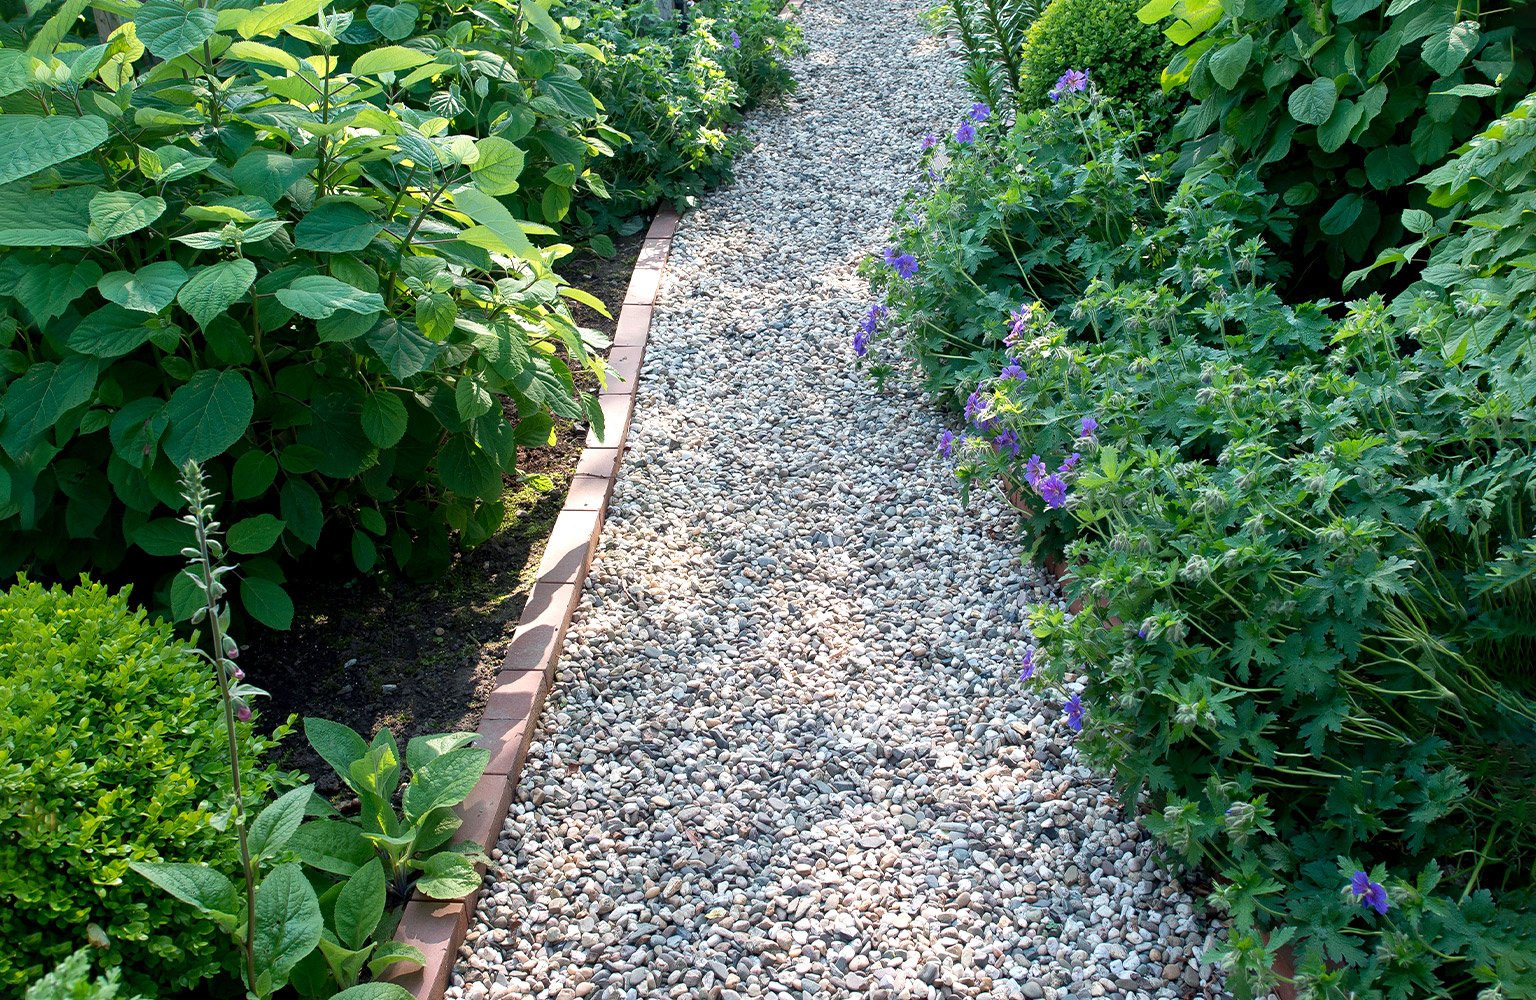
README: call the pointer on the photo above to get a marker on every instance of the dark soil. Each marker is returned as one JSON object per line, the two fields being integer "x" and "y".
{"x": 422, "y": 657}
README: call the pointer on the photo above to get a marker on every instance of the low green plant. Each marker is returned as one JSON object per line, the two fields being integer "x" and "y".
{"x": 72, "y": 980}
{"x": 356, "y": 935}
{"x": 110, "y": 752}
{"x": 414, "y": 844}
{"x": 1121, "y": 55}
{"x": 256, "y": 251}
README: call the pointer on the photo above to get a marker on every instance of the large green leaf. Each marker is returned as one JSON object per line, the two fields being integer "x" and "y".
{"x": 208, "y": 415}
{"x": 374, "y": 991}
{"x": 44, "y": 393}
{"x": 46, "y": 289}
{"x": 444, "y": 781}
{"x": 270, "y": 18}
{"x": 469, "y": 470}
{"x": 205, "y": 888}
{"x": 499, "y": 165}
{"x": 164, "y": 536}
{"x": 448, "y": 876}
{"x": 360, "y": 905}
{"x": 301, "y": 508}
{"x": 118, "y": 213}
{"x": 254, "y": 473}
{"x": 171, "y": 28}
{"x": 29, "y": 143}
{"x": 149, "y": 289}
{"x": 1312, "y": 103}
{"x": 384, "y": 419}
{"x": 288, "y": 922}
{"x": 275, "y": 824}
{"x": 332, "y": 845}
{"x": 110, "y": 332}
{"x": 1342, "y": 214}
{"x": 15, "y": 71}
{"x": 1228, "y": 62}
{"x": 336, "y": 227}
{"x": 256, "y": 534}
{"x": 45, "y": 218}
{"x": 569, "y": 95}
{"x": 267, "y": 602}
{"x": 1447, "y": 50}
{"x": 404, "y": 351}
{"x": 337, "y": 744}
{"x": 319, "y": 295}
{"x": 389, "y": 59}
{"x": 267, "y": 174}
{"x": 497, "y": 231}
{"x": 211, "y": 291}
{"x": 396, "y": 22}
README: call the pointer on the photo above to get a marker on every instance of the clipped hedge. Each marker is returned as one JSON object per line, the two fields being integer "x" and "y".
{"x": 111, "y": 751}
{"x": 1104, "y": 38}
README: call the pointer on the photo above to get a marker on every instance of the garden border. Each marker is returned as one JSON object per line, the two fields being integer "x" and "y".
{"x": 438, "y": 927}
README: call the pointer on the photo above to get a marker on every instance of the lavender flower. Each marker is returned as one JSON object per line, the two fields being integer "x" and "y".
{"x": 1034, "y": 472}
{"x": 981, "y": 112}
{"x": 1053, "y": 490}
{"x": 735, "y": 40}
{"x": 1018, "y": 321}
{"x": 1027, "y": 665}
{"x": 1006, "y": 441}
{"x": 1073, "y": 81}
{"x": 1089, "y": 429}
{"x": 1371, "y": 895}
{"x": 1070, "y": 463}
{"x": 947, "y": 443}
{"x": 1073, "y": 706}
{"x": 929, "y": 141}
{"x": 965, "y": 133}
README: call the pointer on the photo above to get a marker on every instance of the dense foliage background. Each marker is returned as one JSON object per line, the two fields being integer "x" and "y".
{"x": 1299, "y": 528}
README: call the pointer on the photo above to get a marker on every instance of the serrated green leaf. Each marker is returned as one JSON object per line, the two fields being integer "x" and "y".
{"x": 498, "y": 167}
{"x": 448, "y": 876}
{"x": 149, "y": 289}
{"x": 253, "y": 535}
{"x": 205, "y": 888}
{"x": 394, "y": 23}
{"x": 1312, "y": 103}
{"x": 208, "y": 415}
{"x": 319, "y": 295}
{"x": 44, "y": 393}
{"x": 110, "y": 332}
{"x": 389, "y": 59}
{"x": 46, "y": 289}
{"x": 210, "y": 292}
{"x": 275, "y": 824}
{"x": 267, "y": 602}
{"x": 253, "y": 475}
{"x": 468, "y": 470}
{"x": 404, "y": 351}
{"x": 171, "y": 28}
{"x": 384, "y": 419}
{"x": 1446, "y": 50}
{"x": 335, "y": 846}
{"x": 1342, "y": 215}
{"x": 30, "y": 143}
{"x": 288, "y": 922}
{"x": 164, "y": 536}
{"x": 336, "y": 227}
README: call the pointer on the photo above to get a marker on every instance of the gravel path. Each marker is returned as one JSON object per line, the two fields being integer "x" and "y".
{"x": 788, "y": 753}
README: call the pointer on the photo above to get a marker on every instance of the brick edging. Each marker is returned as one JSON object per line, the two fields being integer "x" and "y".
{"x": 438, "y": 927}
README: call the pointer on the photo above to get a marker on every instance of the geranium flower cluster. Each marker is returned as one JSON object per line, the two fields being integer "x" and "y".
{"x": 1073, "y": 81}
{"x": 868, "y": 327}
{"x": 903, "y": 263}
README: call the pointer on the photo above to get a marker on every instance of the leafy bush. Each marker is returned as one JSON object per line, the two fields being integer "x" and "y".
{"x": 674, "y": 89}
{"x": 110, "y": 752}
{"x": 1340, "y": 105}
{"x": 276, "y": 263}
{"x": 72, "y": 980}
{"x": 1103, "y": 37}
{"x": 1300, "y": 537}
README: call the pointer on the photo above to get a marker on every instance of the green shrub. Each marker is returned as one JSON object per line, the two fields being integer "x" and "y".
{"x": 675, "y": 89}
{"x": 111, "y": 751}
{"x": 72, "y": 980}
{"x": 1102, "y": 37}
{"x": 1341, "y": 105}
{"x": 278, "y": 264}
{"x": 1301, "y": 534}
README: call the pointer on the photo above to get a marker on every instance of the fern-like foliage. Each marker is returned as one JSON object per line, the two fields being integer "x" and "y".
{"x": 991, "y": 35}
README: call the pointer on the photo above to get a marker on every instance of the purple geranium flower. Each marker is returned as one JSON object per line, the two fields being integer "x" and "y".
{"x": 1034, "y": 471}
{"x": 1070, "y": 463}
{"x": 1073, "y": 706}
{"x": 929, "y": 141}
{"x": 981, "y": 112}
{"x": 1027, "y": 665}
{"x": 735, "y": 40}
{"x": 1089, "y": 429}
{"x": 1017, "y": 321}
{"x": 975, "y": 406}
{"x": 1014, "y": 372}
{"x": 965, "y": 133}
{"x": 947, "y": 443}
{"x": 1073, "y": 81}
{"x": 1006, "y": 441}
{"x": 1053, "y": 490}
{"x": 867, "y": 328}
{"x": 1372, "y": 895}
{"x": 905, "y": 265}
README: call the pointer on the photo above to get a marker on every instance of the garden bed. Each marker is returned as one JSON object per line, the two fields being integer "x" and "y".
{"x": 423, "y": 657}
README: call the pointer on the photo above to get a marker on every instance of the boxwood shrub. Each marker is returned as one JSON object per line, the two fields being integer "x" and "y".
{"x": 111, "y": 751}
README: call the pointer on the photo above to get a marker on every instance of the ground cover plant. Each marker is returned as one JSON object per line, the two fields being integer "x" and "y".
{"x": 1298, "y": 531}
